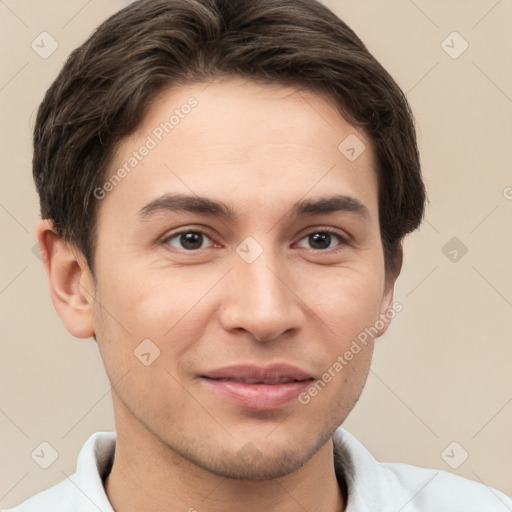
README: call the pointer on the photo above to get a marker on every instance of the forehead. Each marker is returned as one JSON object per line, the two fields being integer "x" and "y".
{"x": 253, "y": 143}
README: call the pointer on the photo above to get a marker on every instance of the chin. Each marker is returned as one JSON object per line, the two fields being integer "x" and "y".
{"x": 262, "y": 459}
{"x": 250, "y": 464}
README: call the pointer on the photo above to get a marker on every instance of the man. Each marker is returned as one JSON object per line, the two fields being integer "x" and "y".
{"x": 225, "y": 186}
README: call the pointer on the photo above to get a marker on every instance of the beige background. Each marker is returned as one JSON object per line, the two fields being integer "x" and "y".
{"x": 441, "y": 374}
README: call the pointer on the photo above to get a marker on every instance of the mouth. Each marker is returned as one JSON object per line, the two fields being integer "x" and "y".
{"x": 248, "y": 380}
{"x": 258, "y": 388}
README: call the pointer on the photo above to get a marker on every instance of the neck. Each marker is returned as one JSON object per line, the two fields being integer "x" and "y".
{"x": 148, "y": 475}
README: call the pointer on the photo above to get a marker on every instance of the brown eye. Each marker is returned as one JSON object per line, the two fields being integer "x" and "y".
{"x": 322, "y": 240}
{"x": 187, "y": 240}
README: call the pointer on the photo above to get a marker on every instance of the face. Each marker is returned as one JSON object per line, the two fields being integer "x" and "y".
{"x": 217, "y": 311}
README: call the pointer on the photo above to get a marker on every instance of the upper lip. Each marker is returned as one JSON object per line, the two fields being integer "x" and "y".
{"x": 266, "y": 374}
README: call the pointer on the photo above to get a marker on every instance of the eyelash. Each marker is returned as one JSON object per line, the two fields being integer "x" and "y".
{"x": 343, "y": 239}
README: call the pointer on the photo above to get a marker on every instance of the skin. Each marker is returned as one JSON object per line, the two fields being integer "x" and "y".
{"x": 259, "y": 148}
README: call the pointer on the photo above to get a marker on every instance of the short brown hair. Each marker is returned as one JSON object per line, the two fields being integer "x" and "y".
{"x": 107, "y": 84}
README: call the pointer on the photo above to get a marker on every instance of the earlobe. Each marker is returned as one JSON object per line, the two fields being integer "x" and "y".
{"x": 71, "y": 284}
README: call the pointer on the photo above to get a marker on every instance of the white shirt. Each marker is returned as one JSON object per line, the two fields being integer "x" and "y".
{"x": 372, "y": 486}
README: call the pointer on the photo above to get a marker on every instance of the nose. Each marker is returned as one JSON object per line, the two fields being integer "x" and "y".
{"x": 259, "y": 298}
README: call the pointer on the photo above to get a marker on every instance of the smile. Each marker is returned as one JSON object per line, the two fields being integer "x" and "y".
{"x": 257, "y": 388}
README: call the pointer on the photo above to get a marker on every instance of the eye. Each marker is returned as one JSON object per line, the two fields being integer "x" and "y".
{"x": 188, "y": 240}
{"x": 324, "y": 239}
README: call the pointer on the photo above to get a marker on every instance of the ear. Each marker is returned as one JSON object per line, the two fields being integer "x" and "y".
{"x": 388, "y": 308}
{"x": 71, "y": 283}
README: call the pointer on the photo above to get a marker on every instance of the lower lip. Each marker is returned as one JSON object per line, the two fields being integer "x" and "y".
{"x": 261, "y": 397}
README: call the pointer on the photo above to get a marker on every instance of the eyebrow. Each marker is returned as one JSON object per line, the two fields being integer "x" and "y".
{"x": 206, "y": 206}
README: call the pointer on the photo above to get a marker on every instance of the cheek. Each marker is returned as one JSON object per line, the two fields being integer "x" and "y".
{"x": 133, "y": 306}
{"x": 137, "y": 299}
{"x": 348, "y": 302}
